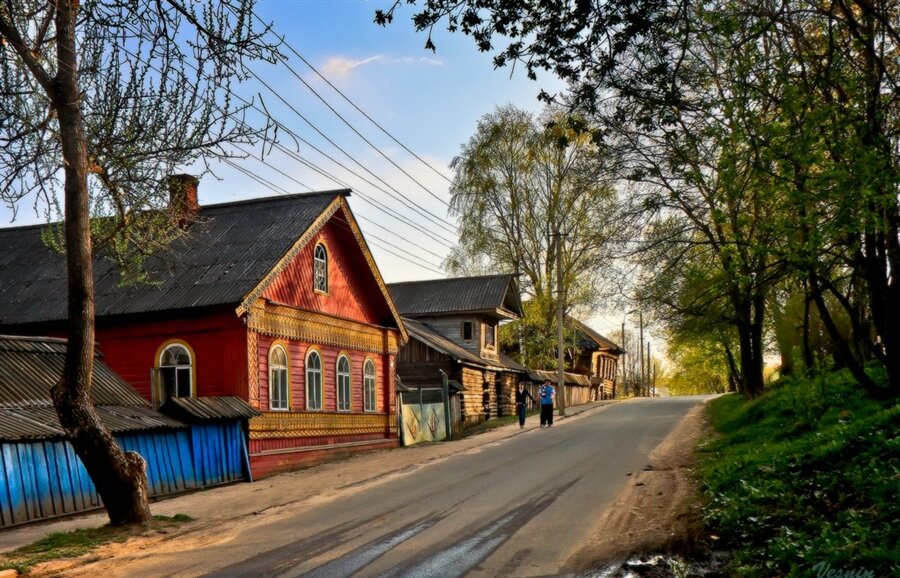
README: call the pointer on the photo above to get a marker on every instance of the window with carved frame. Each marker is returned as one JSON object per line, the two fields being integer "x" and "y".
{"x": 343, "y": 383}
{"x": 279, "y": 386}
{"x": 369, "y": 397}
{"x": 320, "y": 269}
{"x": 313, "y": 381}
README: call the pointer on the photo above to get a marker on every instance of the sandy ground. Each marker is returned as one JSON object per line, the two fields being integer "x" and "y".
{"x": 653, "y": 512}
{"x": 657, "y": 511}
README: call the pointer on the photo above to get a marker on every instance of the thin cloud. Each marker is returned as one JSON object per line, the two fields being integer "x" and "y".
{"x": 341, "y": 67}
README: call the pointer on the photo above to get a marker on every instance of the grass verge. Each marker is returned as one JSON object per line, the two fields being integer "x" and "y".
{"x": 59, "y": 545}
{"x": 805, "y": 480}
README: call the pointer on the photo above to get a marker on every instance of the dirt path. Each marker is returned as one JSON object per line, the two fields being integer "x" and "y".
{"x": 657, "y": 511}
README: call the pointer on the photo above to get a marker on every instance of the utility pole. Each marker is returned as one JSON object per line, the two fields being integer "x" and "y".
{"x": 560, "y": 313}
{"x": 649, "y": 369}
{"x": 641, "y": 383}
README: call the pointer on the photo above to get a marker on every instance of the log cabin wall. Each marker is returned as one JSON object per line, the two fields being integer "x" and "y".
{"x": 508, "y": 393}
{"x": 473, "y": 397}
{"x": 451, "y": 327}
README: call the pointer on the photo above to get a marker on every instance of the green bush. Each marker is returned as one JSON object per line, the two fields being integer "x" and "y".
{"x": 808, "y": 474}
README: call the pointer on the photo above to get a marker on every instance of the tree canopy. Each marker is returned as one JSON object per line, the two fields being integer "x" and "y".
{"x": 519, "y": 181}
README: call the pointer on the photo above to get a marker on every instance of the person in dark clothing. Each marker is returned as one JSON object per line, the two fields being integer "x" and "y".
{"x": 521, "y": 395}
{"x": 547, "y": 394}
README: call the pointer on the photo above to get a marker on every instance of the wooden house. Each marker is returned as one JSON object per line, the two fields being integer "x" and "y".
{"x": 276, "y": 301}
{"x": 598, "y": 359}
{"x": 40, "y": 475}
{"x": 453, "y": 327}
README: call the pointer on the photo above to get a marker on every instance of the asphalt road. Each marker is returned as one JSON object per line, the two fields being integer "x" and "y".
{"x": 519, "y": 507}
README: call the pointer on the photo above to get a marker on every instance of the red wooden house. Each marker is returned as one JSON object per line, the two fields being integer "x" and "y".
{"x": 275, "y": 301}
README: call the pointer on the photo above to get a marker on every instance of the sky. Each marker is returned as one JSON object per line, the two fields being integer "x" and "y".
{"x": 429, "y": 101}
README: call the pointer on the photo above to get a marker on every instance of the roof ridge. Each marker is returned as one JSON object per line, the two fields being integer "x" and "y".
{"x": 492, "y": 276}
{"x": 259, "y": 200}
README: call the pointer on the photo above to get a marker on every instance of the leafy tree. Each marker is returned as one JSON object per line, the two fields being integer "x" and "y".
{"x": 517, "y": 183}
{"x": 806, "y": 92}
{"x": 99, "y": 102}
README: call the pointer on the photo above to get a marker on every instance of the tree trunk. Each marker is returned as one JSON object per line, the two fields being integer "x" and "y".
{"x": 120, "y": 478}
{"x": 857, "y": 369}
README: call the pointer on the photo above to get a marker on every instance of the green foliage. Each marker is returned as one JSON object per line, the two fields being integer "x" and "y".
{"x": 807, "y": 474}
{"x": 698, "y": 364}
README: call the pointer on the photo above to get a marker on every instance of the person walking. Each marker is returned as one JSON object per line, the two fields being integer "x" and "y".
{"x": 521, "y": 395}
{"x": 547, "y": 394}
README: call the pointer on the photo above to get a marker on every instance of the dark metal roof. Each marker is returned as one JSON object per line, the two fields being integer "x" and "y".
{"x": 208, "y": 408}
{"x": 540, "y": 376}
{"x": 226, "y": 252}
{"x": 493, "y": 294}
{"x": 590, "y": 339}
{"x": 30, "y": 366}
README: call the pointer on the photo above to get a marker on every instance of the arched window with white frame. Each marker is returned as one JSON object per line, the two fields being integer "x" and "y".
{"x": 279, "y": 384}
{"x": 175, "y": 372}
{"x": 320, "y": 268}
{"x": 369, "y": 401}
{"x": 343, "y": 383}
{"x": 313, "y": 381}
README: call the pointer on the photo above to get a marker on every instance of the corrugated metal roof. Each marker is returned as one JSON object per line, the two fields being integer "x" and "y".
{"x": 538, "y": 375}
{"x": 28, "y": 423}
{"x": 459, "y": 295}
{"x": 208, "y": 408}
{"x": 225, "y": 253}
{"x": 30, "y": 366}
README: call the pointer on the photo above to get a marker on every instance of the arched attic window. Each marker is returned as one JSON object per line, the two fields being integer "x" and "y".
{"x": 320, "y": 268}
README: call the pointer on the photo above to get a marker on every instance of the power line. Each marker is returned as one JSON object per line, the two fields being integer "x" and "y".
{"x": 359, "y": 134}
{"x": 371, "y": 201}
{"x": 450, "y": 227}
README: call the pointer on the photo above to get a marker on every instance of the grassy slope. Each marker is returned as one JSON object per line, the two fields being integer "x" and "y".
{"x": 809, "y": 474}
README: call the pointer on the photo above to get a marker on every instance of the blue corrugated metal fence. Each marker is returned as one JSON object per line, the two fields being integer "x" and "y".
{"x": 42, "y": 479}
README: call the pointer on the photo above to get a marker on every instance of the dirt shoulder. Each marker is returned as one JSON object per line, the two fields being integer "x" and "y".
{"x": 657, "y": 511}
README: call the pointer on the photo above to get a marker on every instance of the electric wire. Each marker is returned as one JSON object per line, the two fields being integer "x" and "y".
{"x": 368, "y": 200}
{"x": 447, "y": 225}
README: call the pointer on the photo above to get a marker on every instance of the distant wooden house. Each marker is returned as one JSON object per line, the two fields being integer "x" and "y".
{"x": 598, "y": 359}
{"x": 275, "y": 301}
{"x": 40, "y": 475}
{"x": 453, "y": 328}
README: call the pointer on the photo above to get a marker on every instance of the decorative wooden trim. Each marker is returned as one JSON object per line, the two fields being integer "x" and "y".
{"x": 285, "y": 346}
{"x": 357, "y": 233}
{"x": 286, "y": 259}
{"x": 312, "y": 327}
{"x": 253, "y": 369}
{"x": 281, "y": 425}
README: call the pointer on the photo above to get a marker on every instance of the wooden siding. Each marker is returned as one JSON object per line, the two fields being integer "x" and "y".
{"x": 352, "y": 291}
{"x": 218, "y": 339}
{"x": 43, "y": 479}
{"x": 419, "y": 364}
{"x": 297, "y": 352}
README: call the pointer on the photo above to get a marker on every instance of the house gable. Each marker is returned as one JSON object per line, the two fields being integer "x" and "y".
{"x": 356, "y": 290}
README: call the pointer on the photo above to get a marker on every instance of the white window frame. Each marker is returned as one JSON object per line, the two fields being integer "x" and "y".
{"x": 315, "y": 376}
{"x": 279, "y": 376}
{"x": 343, "y": 387}
{"x": 320, "y": 268}
{"x": 190, "y": 371}
{"x": 370, "y": 389}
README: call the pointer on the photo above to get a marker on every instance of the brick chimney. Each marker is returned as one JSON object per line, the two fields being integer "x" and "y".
{"x": 183, "y": 198}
